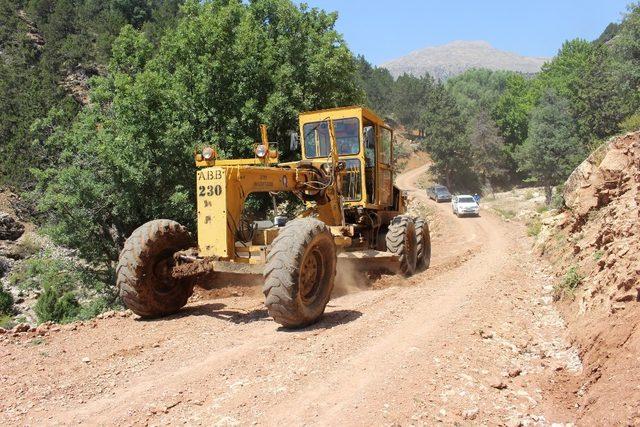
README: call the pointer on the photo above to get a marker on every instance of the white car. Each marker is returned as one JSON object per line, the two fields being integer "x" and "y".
{"x": 465, "y": 205}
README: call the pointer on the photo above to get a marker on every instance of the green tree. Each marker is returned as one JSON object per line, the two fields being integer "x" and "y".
{"x": 410, "y": 97}
{"x": 552, "y": 149}
{"x": 626, "y": 49}
{"x": 377, "y": 84}
{"x": 602, "y": 99}
{"x": 47, "y": 49}
{"x": 608, "y": 34}
{"x": 488, "y": 150}
{"x": 223, "y": 69}
{"x": 565, "y": 75}
{"x": 565, "y": 71}
{"x": 478, "y": 89}
{"x": 513, "y": 109}
{"x": 445, "y": 138}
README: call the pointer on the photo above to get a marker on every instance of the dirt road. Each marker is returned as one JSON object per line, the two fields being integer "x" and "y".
{"x": 473, "y": 339}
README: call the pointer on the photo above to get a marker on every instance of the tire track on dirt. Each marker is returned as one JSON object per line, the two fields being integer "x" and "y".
{"x": 227, "y": 354}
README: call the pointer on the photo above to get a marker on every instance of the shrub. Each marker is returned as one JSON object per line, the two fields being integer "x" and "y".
{"x": 505, "y": 213}
{"x": 631, "y": 123}
{"x": 64, "y": 283}
{"x": 557, "y": 200}
{"x": 57, "y": 304}
{"x": 28, "y": 246}
{"x": 534, "y": 226}
{"x": 568, "y": 285}
{"x": 46, "y": 270}
{"x": 541, "y": 209}
{"x": 6, "y": 302}
{"x": 6, "y": 321}
{"x": 96, "y": 306}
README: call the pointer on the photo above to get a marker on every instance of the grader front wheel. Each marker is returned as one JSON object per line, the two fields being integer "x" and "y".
{"x": 300, "y": 273}
{"x": 143, "y": 274}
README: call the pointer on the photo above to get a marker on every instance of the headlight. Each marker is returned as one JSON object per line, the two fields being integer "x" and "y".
{"x": 207, "y": 153}
{"x": 261, "y": 150}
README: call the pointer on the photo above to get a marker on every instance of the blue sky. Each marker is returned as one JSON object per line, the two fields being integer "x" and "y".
{"x": 383, "y": 30}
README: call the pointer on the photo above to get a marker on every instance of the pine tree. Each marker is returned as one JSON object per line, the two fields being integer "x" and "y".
{"x": 377, "y": 84}
{"x": 552, "y": 149}
{"x": 488, "y": 150}
{"x": 410, "y": 97}
{"x": 445, "y": 138}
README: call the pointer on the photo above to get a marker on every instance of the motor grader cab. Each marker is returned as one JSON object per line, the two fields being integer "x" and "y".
{"x": 353, "y": 213}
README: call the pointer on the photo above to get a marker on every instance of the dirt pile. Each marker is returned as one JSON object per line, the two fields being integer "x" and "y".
{"x": 595, "y": 248}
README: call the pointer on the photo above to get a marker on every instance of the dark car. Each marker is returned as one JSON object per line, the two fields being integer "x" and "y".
{"x": 439, "y": 193}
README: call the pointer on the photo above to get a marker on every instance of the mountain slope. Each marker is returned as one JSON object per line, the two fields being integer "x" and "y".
{"x": 456, "y": 57}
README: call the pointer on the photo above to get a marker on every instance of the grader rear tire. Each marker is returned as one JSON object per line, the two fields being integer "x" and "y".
{"x": 300, "y": 273}
{"x": 143, "y": 273}
{"x": 423, "y": 248}
{"x": 401, "y": 241}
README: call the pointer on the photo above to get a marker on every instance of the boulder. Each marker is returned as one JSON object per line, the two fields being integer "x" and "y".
{"x": 11, "y": 250}
{"x": 580, "y": 190}
{"x": 5, "y": 265}
{"x": 10, "y": 229}
{"x": 21, "y": 327}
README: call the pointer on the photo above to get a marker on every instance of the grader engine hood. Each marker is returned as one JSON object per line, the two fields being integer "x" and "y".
{"x": 211, "y": 187}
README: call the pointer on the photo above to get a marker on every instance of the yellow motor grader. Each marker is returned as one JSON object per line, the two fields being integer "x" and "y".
{"x": 353, "y": 212}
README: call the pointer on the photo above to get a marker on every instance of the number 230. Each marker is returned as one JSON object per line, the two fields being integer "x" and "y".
{"x": 209, "y": 190}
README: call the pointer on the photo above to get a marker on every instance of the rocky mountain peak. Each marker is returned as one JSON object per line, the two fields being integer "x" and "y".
{"x": 459, "y": 56}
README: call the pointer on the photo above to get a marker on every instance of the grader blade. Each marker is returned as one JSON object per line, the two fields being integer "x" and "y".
{"x": 218, "y": 274}
{"x": 370, "y": 260}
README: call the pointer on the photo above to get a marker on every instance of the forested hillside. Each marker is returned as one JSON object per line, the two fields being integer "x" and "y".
{"x": 49, "y": 49}
{"x": 487, "y": 129}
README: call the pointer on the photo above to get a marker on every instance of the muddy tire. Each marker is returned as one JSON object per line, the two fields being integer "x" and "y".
{"x": 300, "y": 273}
{"x": 401, "y": 241}
{"x": 423, "y": 245}
{"x": 142, "y": 276}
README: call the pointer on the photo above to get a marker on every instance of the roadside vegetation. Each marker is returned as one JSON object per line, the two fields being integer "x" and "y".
{"x": 566, "y": 287}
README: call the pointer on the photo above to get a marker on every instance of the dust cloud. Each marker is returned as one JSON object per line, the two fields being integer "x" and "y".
{"x": 349, "y": 279}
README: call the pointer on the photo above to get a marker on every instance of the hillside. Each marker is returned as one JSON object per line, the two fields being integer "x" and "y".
{"x": 456, "y": 57}
{"x": 594, "y": 248}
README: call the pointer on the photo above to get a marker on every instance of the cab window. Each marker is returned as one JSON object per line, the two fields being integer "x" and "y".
{"x": 385, "y": 146}
{"x": 352, "y": 180}
{"x": 317, "y": 142}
